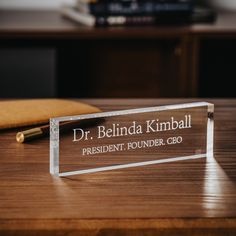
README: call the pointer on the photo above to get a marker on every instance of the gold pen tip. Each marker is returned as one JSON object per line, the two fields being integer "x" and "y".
{"x": 20, "y": 137}
{"x": 27, "y": 135}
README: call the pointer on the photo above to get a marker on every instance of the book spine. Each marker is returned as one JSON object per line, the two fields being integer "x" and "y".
{"x": 138, "y": 8}
{"x": 125, "y": 20}
{"x": 90, "y": 20}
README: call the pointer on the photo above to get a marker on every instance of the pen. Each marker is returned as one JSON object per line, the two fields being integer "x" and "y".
{"x": 38, "y": 132}
{"x": 30, "y": 134}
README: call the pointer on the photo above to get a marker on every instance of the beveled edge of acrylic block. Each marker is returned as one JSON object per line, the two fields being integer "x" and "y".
{"x": 134, "y": 111}
{"x": 54, "y": 135}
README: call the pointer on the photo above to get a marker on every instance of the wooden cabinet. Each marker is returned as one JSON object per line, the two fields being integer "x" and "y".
{"x": 217, "y": 72}
{"x": 123, "y": 62}
{"x": 27, "y": 72}
{"x": 123, "y": 68}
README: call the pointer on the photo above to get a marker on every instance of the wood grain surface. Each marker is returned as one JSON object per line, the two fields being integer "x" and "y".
{"x": 195, "y": 197}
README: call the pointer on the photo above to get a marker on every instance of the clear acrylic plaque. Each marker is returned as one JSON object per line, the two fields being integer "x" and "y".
{"x": 130, "y": 138}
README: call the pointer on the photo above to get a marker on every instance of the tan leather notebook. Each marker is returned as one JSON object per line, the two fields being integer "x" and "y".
{"x": 18, "y": 113}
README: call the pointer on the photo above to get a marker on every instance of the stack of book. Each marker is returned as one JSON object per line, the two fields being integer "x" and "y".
{"x": 129, "y": 12}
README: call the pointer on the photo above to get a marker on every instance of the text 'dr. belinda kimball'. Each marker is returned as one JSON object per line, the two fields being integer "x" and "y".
{"x": 135, "y": 128}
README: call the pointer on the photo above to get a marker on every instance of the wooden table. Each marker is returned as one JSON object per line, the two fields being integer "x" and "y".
{"x": 195, "y": 197}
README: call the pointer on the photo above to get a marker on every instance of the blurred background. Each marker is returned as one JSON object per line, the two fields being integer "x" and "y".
{"x": 43, "y": 54}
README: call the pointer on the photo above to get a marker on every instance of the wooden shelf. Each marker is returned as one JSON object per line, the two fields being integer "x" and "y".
{"x": 52, "y": 24}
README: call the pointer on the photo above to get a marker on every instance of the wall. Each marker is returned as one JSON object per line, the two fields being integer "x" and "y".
{"x": 32, "y": 4}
